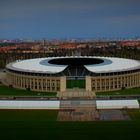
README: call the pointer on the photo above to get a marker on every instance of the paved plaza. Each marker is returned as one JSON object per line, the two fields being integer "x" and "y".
{"x": 76, "y": 93}
{"x": 85, "y": 110}
{"x": 78, "y": 110}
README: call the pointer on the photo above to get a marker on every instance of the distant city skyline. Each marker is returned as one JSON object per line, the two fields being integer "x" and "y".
{"x": 37, "y": 19}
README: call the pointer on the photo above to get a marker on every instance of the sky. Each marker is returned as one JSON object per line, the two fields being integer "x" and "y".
{"x": 38, "y": 19}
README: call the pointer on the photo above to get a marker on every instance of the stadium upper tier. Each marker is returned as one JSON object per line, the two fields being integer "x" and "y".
{"x": 52, "y": 65}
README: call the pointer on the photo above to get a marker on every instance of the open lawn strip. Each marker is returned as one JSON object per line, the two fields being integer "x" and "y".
{"x": 42, "y": 124}
{"x": 132, "y": 91}
{"x": 9, "y": 91}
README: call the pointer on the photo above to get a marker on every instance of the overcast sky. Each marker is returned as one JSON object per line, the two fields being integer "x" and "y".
{"x": 69, "y": 18}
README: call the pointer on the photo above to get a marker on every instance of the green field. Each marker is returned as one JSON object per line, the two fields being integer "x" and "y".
{"x": 4, "y": 90}
{"x": 75, "y": 83}
{"x": 133, "y": 91}
{"x": 42, "y": 125}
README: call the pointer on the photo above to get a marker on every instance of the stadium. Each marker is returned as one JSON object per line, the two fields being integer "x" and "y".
{"x": 57, "y": 74}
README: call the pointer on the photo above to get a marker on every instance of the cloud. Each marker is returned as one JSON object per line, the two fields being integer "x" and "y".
{"x": 64, "y": 15}
{"x": 31, "y": 8}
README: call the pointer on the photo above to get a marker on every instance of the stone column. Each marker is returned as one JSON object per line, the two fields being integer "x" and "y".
{"x": 63, "y": 83}
{"x": 88, "y": 83}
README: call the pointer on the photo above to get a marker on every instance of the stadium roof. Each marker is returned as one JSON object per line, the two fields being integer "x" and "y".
{"x": 116, "y": 65}
{"x": 41, "y": 65}
{"x": 34, "y": 65}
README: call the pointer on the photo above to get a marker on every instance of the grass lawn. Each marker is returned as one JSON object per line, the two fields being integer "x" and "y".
{"x": 132, "y": 91}
{"x": 75, "y": 83}
{"x": 4, "y": 90}
{"x": 42, "y": 125}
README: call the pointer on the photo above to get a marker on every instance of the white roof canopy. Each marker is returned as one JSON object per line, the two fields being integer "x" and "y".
{"x": 10, "y": 104}
{"x": 116, "y": 104}
{"x": 110, "y": 64}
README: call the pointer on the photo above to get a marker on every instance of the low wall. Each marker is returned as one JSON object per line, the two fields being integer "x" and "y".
{"x": 10, "y": 104}
{"x": 117, "y": 104}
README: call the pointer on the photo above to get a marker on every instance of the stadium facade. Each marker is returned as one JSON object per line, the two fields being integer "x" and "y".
{"x": 54, "y": 73}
